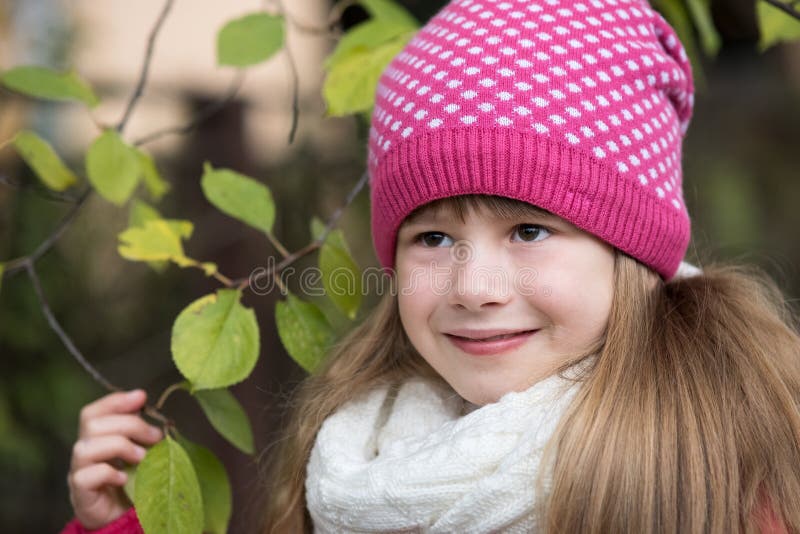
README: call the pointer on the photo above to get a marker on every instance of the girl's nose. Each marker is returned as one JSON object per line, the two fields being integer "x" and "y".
{"x": 479, "y": 278}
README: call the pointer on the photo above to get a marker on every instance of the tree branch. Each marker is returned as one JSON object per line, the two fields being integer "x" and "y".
{"x": 315, "y": 244}
{"x": 137, "y": 93}
{"x": 40, "y": 191}
{"x": 789, "y": 8}
{"x": 210, "y": 110}
{"x": 295, "y": 93}
{"x": 65, "y": 339}
{"x": 23, "y": 262}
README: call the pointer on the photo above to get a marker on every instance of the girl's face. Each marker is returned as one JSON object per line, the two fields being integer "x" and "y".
{"x": 494, "y": 304}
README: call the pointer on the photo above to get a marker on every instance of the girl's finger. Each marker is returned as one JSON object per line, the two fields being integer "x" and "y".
{"x": 95, "y": 477}
{"x": 105, "y": 449}
{"x": 129, "y": 426}
{"x": 119, "y": 402}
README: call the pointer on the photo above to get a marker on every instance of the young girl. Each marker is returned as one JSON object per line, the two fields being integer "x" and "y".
{"x": 546, "y": 361}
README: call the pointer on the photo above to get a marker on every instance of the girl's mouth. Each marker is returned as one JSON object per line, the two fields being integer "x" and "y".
{"x": 492, "y": 344}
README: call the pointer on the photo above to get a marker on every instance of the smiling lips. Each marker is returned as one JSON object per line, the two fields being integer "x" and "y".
{"x": 487, "y": 335}
{"x": 488, "y": 342}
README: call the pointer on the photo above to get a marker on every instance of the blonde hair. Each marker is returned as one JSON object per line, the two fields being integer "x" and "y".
{"x": 687, "y": 420}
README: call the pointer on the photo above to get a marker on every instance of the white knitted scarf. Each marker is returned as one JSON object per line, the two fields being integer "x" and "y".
{"x": 426, "y": 467}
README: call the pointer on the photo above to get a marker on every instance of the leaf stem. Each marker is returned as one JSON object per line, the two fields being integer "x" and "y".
{"x": 169, "y": 391}
{"x": 223, "y": 279}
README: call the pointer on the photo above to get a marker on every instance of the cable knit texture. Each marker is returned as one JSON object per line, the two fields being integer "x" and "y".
{"x": 429, "y": 468}
{"x": 579, "y": 107}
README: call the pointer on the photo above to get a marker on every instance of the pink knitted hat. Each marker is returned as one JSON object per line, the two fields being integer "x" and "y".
{"x": 578, "y": 107}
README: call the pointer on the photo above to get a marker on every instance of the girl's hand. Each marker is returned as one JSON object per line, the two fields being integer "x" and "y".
{"x": 109, "y": 431}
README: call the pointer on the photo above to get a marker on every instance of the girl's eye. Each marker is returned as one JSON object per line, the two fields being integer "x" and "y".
{"x": 431, "y": 239}
{"x": 531, "y": 232}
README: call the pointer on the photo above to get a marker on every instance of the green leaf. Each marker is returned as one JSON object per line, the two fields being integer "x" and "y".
{"x": 389, "y": 10}
{"x": 775, "y": 26}
{"x": 130, "y": 485}
{"x": 156, "y": 240}
{"x": 215, "y": 341}
{"x": 155, "y": 184}
{"x": 340, "y": 277}
{"x": 214, "y": 487}
{"x": 701, "y": 14}
{"x": 249, "y": 40}
{"x": 352, "y": 81}
{"x": 304, "y": 331}
{"x": 44, "y": 161}
{"x": 340, "y": 274}
{"x": 239, "y": 196}
{"x": 113, "y": 167}
{"x": 46, "y": 83}
{"x": 366, "y": 36}
{"x": 167, "y": 492}
{"x": 227, "y": 417}
{"x": 140, "y": 213}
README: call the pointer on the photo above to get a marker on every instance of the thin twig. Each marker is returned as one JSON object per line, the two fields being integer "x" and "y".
{"x": 38, "y": 190}
{"x": 230, "y": 95}
{"x": 54, "y": 324}
{"x": 158, "y": 416}
{"x": 788, "y": 8}
{"x": 21, "y": 263}
{"x": 277, "y": 244}
{"x": 221, "y": 278}
{"x": 317, "y": 243}
{"x": 167, "y": 392}
{"x": 295, "y": 79}
{"x": 295, "y": 93}
{"x": 151, "y": 41}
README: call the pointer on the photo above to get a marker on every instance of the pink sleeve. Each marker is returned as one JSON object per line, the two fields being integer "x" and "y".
{"x": 127, "y": 523}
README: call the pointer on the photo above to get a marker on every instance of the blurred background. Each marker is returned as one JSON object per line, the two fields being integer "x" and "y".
{"x": 741, "y": 161}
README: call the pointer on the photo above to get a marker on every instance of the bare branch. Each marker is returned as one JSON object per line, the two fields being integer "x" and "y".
{"x": 46, "y": 194}
{"x": 54, "y": 324}
{"x": 295, "y": 93}
{"x": 22, "y": 263}
{"x": 317, "y": 243}
{"x": 790, "y": 8}
{"x": 137, "y": 93}
{"x": 208, "y": 112}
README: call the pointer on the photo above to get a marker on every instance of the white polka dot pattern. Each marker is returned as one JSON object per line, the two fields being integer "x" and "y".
{"x": 608, "y": 78}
